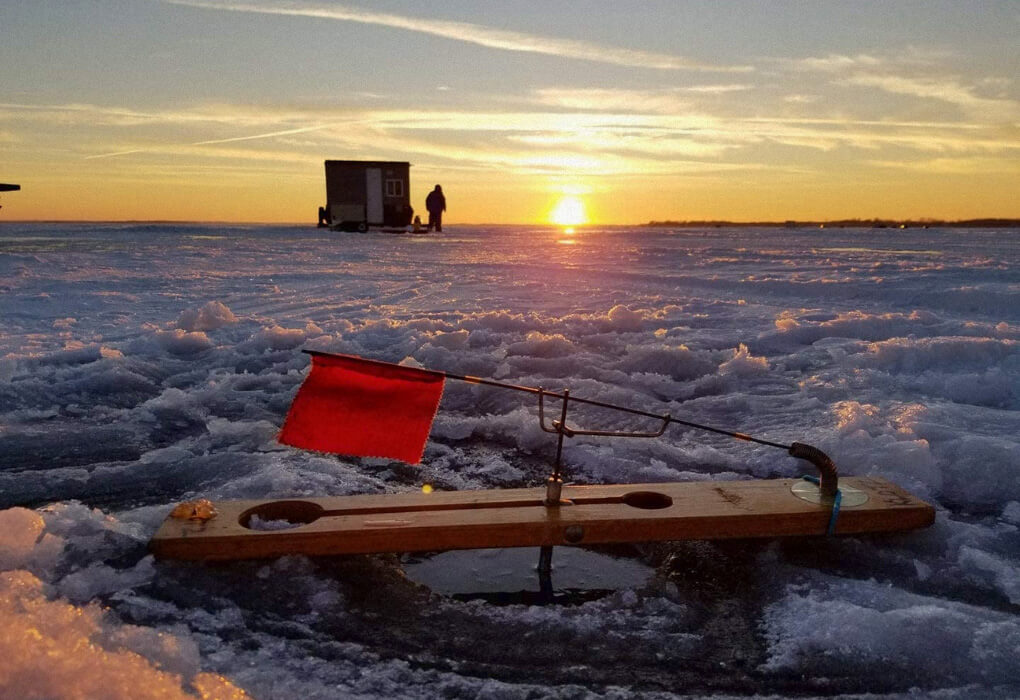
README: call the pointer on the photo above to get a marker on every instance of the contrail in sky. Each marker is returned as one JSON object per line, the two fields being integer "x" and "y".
{"x": 262, "y": 136}
{"x": 117, "y": 153}
{"x": 474, "y": 34}
{"x": 212, "y": 141}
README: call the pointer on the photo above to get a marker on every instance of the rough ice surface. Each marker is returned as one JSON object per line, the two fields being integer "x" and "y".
{"x": 145, "y": 365}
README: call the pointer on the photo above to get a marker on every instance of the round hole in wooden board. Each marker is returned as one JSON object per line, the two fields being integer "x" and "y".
{"x": 647, "y": 500}
{"x": 280, "y": 515}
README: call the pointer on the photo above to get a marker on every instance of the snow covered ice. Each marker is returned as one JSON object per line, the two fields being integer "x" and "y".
{"x": 145, "y": 365}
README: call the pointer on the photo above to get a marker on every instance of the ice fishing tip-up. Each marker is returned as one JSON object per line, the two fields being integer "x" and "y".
{"x": 827, "y": 470}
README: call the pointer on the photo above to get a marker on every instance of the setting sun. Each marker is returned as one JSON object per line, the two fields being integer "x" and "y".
{"x": 569, "y": 211}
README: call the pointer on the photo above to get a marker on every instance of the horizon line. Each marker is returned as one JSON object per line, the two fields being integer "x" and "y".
{"x": 1003, "y": 220}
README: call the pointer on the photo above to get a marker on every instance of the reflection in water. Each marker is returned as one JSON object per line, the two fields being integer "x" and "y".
{"x": 510, "y": 574}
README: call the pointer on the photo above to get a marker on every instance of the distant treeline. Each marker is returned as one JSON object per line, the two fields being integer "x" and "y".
{"x": 845, "y": 223}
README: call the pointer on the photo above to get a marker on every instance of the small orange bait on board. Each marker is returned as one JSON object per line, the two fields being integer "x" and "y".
{"x": 201, "y": 509}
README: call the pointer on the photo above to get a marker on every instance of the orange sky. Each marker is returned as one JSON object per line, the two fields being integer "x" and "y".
{"x": 208, "y": 110}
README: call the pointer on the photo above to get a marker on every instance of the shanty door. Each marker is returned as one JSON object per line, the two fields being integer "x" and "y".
{"x": 373, "y": 195}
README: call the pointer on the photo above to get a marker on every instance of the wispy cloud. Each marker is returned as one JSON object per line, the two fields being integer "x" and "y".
{"x": 802, "y": 99}
{"x": 950, "y": 166}
{"x": 613, "y": 100}
{"x": 922, "y": 74}
{"x": 210, "y": 116}
{"x": 656, "y": 101}
{"x": 833, "y": 63}
{"x": 717, "y": 89}
{"x": 203, "y": 114}
{"x": 826, "y": 134}
{"x": 571, "y": 141}
{"x": 660, "y": 144}
{"x": 480, "y": 35}
{"x": 944, "y": 89}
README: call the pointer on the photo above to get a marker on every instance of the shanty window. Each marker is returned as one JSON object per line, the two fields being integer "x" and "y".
{"x": 394, "y": 188}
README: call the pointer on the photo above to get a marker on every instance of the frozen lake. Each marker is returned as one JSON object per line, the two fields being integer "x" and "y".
{"x": 143, "y": 365}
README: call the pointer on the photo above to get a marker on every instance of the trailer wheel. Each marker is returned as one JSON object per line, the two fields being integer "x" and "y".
{"x": 362, "y": 227}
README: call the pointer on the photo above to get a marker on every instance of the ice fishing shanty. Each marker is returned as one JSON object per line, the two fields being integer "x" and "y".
{"x": 363, "y": 194}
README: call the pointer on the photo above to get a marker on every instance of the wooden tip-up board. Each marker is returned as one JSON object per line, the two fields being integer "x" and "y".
{"x": 445, "y": 520}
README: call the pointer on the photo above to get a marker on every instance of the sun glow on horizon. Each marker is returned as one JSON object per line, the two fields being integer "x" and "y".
{"x": 569, "y": 211}
{"x": 895, "y": 116}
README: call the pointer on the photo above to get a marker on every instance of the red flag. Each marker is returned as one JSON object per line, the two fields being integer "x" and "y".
{"x": 349, "y": 405}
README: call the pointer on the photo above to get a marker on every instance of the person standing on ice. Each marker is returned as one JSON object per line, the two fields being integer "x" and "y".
{"x": 436, "y": 204}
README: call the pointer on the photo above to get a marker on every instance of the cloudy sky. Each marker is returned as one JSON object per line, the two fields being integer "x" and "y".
{"x": 224, "y": 110}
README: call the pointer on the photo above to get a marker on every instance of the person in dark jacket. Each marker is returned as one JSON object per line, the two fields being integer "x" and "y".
{"x": 436, "y": 204}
